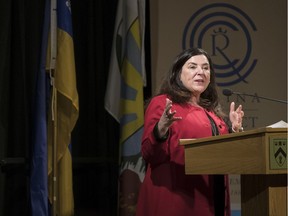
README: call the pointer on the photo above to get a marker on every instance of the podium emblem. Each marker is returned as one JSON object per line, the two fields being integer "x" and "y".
{"x": 278, "y": 153}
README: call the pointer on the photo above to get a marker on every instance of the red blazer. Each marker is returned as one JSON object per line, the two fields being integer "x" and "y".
{"x": 166, "y": 189}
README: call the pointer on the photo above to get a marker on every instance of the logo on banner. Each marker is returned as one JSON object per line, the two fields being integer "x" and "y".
{"x": 225, "y": 32}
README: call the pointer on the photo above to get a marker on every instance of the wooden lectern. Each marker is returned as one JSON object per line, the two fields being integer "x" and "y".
{"x": 259, "y": 156}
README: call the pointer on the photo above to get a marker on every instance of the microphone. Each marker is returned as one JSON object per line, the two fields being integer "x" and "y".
{"x": 228, "y": 92}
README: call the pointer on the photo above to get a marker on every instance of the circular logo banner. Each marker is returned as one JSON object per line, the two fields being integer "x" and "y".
{"x": 225, "y": 32}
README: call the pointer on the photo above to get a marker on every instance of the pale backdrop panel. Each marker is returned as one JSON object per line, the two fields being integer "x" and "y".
{"x": 247, "y": 41}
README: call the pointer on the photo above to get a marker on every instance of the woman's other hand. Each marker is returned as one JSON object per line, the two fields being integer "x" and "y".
{"x": 236, "y": 116}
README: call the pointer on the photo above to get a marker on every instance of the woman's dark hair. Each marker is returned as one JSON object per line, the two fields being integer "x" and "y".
{"x": 178, "y": 93}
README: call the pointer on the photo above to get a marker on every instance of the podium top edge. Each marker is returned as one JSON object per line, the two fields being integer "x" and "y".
{"x": 234, "y": 135}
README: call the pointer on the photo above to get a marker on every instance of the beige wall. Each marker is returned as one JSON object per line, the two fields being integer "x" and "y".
{"x": 268, "y": 42}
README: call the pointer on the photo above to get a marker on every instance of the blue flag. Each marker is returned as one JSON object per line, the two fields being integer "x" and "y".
{"x": 65, "y": 113}
{"x": 39, "y": 161}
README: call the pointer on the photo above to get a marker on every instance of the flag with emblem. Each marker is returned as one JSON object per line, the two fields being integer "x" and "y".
{"x": 124, "y": 97}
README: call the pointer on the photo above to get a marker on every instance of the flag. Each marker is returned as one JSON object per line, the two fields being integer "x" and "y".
{"x": 39, "y": 167}
{"x": 65, "y": 110}
{"x": 124, "y": 97}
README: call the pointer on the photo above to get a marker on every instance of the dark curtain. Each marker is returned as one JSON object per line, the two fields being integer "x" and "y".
{"x": 95, "y": 138}
{"x": 20, "y": 36}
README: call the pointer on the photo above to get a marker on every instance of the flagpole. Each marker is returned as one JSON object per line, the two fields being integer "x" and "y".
{"x": 53, "y": 56}
{"x": 54, "y": 150}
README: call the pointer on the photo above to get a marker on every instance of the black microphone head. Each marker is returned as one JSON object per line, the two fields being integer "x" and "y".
{"x": 227, "y": 92}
